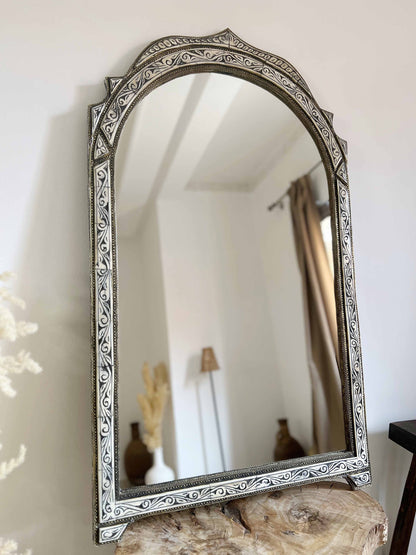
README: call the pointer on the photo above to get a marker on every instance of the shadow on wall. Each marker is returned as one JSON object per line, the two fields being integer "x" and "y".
{"x": 389, "y": 464}
{"x": 52, "y": 414}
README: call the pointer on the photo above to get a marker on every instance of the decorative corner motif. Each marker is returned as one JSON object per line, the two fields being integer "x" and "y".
{"x": 111, "y": 83}
{"x": 100, "y": 148}
{"x": 329, "y": 116}
{"x": 344, "y": 146}
{"x": 359, "y": 479}
{"x": 342, "y": 172}
{"x": 96, "y": 111}
{"x": 111, "y": 533}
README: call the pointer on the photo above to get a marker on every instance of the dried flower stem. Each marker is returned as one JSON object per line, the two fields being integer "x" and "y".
{"x": 9, "y": 547}
{"x": 7, "y": 467}
{"x": 10, "y": 330}
{"x": 153, "y": 403}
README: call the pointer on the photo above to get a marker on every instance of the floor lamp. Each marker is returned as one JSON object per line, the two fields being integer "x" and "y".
{"x": 209, "y": 364}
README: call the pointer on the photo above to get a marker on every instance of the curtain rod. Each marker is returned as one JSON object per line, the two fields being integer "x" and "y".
{"x": 280, "y": 199}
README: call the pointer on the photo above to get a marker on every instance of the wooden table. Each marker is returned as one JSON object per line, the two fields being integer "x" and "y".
{"x": 326, "y": 518}
{"x": 404, "y": 434}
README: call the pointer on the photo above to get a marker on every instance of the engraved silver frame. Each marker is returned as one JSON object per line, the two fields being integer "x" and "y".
{"x": 161, "y": 61}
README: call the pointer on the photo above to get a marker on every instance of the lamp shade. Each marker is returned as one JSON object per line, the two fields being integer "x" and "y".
{"x": 209, "y": 362}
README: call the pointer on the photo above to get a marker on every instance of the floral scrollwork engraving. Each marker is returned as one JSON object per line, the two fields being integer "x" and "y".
{"x": 158, "y": 63}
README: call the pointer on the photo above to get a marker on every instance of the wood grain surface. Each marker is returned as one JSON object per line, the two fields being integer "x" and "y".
{"x": 324, "y": 518}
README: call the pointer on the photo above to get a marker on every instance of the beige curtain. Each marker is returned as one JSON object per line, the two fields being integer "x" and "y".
{"x": 320, "y": 319}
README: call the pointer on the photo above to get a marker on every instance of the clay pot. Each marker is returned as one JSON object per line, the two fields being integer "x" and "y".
{"x": 286, "y": 446}
{"x": 137, "y": 459}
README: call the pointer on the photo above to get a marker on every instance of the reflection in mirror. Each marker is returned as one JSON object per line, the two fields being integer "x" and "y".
{"x": 203, "y": 264}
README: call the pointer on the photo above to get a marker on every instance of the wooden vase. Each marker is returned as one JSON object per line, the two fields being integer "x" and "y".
{"x": 137, "y": 459}
{"x": 286, "y": 446}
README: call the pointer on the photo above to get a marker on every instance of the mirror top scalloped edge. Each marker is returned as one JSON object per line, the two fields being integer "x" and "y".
{"x": 163, "y": 60}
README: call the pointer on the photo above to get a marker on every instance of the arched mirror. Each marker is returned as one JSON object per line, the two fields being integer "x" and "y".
{"x": 221, "y": 257}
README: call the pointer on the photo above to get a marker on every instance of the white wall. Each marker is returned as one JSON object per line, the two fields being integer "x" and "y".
{"x": 359, "y": 62}
{"x": 142, "y": 325}
{"x": 216, "y": 296}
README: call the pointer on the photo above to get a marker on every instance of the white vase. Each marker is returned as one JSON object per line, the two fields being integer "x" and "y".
{"x": 159, "y": 472}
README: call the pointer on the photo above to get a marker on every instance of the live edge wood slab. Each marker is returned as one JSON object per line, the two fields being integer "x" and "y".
{"x": 324, "y": 518}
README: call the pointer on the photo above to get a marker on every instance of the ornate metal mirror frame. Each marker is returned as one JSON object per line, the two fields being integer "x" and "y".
{"x": 163, "y": 61}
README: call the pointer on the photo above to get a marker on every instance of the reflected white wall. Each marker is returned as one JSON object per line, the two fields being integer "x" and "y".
{"x": 215, "y": 296}
{"x": 142, "y": 325}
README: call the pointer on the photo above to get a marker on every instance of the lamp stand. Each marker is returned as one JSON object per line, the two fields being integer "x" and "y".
{"x": 217, "y": 420}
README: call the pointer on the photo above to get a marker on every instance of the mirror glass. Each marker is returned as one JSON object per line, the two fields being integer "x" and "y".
{"x": 203, "y": 263}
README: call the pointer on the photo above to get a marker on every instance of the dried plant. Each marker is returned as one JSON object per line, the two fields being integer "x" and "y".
{"x": 9, "y": 547}
{"x": 153, "y": 403}
{"x": 10, "y": 330}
